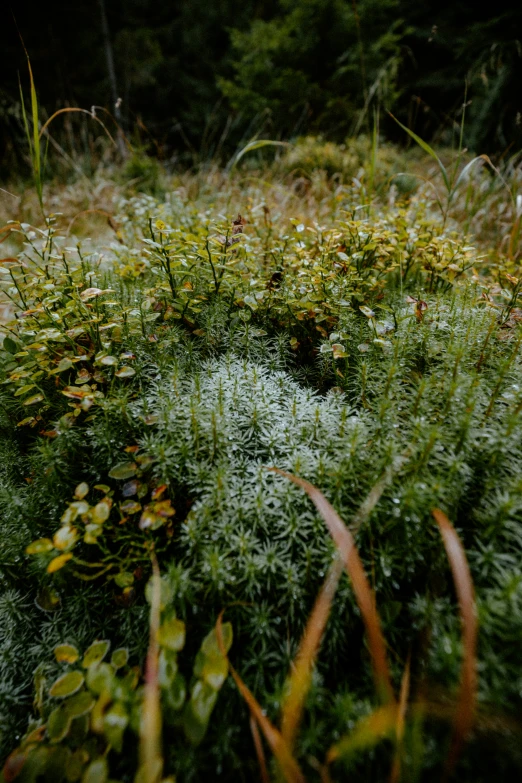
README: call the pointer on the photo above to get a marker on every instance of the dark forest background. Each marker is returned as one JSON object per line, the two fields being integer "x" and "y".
{"x": 199, "y": 77}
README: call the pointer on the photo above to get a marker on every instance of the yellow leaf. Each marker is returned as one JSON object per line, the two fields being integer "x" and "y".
{"x": 58, "y": 562}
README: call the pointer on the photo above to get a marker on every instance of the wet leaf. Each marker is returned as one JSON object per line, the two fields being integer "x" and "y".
{"x": 81, "y": 490}
{"x": 125, "y": 372}
{"x": 66, "y": 653}
{"x": 66, "y": 685}
{"x": 367, "y": 311}
{"x": 95, "y": 653}
{"x": 108, "y": 361}
{"x": 34, "y": 399}
{"x": 123, "y": 470}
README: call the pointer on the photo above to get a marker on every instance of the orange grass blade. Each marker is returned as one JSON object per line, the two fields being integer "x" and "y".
{"x": 466, "y": 597}
{"x": 278, "y": 746}
{"x": 401, "y": 716}
{"x": 260, "y": 753}
{"x": 151, "y": 759}
{"x": 345, "y": 543}
{"x": 301, "y": 676}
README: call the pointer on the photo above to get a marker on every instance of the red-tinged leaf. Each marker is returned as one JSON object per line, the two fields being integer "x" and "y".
{"x": 289, "y": 766}
{"x": 344, "y": 541}
{"x": 466, "y": 598}
{"x": 158, "y": 492}
{"x": 14, "y": 764}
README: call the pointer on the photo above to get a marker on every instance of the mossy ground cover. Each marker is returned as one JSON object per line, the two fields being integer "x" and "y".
{"x": 343, "y": 329}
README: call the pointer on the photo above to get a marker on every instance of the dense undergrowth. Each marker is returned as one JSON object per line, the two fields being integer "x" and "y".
{"x": 343, "y": 328}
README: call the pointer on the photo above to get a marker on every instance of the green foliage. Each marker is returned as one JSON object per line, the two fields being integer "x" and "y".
{"x": 311, "y": 57}
{"x": 144, "y": 391}
{"x": 87, "y": 712}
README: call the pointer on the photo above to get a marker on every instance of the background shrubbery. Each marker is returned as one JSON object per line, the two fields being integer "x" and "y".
{"x": 195, "y": 79}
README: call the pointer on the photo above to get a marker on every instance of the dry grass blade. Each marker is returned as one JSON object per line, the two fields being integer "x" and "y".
{"x": 151, "y": 760}
{"x": 278, "y": 746}
{"x": 7, "y": 230}
{"x": 401, "y": 719}
{"x": 300, "y": 678}
{"x": 345, "y": 543}
{"x": 260, "y": 753}
{"x": 44, "y": 127}
{"x": 466, "y": 597}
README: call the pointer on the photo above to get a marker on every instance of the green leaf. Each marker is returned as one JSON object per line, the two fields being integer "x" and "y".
{"x": 9, "y": 345}
{"x": 176, "y": 693}
{"x": 96, "y": 772}
{"x": 100, "y": 678}
{"x": 172, "y": 634}
{"x": 64, "y": 364}
{"x": 95, "y": 653}
{"x": 34, "y": 399}
{"x": 66, "y": 685}
{"x": 115, "y": 722}
{"x": 40, "y": 546}
{"x": 79, "y": 705}
{"x": 58, "y": 724}
{"x": 215, "y": 671}
{"x": 75, "y": 764}
{"x": 24, "y": 389}
{"x": 124, "y": 579}
{"x": 66, "y": 653}
{"x": 81, "y": 490}
{"x": 202, "y": 699}
{"x": 123, "y": 470}
{"x": 210, "y": 644}
{"x": 119, "y": 658}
